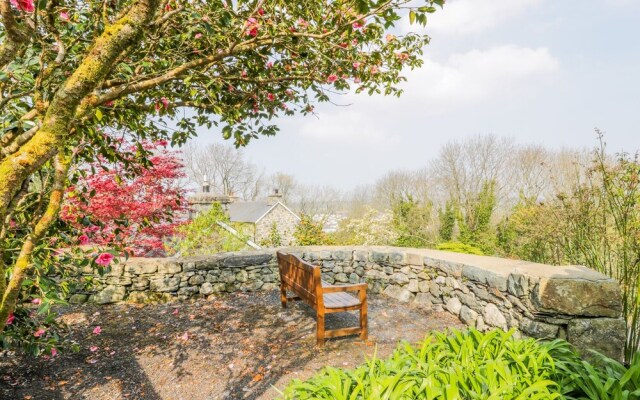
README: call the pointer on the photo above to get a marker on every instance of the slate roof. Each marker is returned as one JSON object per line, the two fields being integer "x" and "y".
{"x": 248, "y": 211}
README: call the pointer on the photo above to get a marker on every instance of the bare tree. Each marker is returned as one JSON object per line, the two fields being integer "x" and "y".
{"x": 284, "y": 183}
{"x": 226, "y": 169}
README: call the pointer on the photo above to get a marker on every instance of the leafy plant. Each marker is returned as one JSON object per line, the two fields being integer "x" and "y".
{"x": 451, "y": 365}
{"x": 309, "y": 232}
{"x": 458, "y": 247}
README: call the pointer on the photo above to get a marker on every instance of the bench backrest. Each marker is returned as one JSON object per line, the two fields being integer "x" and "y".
{"x": 304, "y": 278}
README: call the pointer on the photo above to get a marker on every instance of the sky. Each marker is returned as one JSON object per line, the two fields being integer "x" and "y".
{"x": 539, "y": 71}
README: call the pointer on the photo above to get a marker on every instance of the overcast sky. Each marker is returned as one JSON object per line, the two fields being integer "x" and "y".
{"x": 540, "y": 71}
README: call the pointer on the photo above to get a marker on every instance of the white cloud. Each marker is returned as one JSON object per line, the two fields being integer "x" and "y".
{"x": 479, "y": 74}
{"x": 471, "y": 16}
{"x": 346, "y": 126}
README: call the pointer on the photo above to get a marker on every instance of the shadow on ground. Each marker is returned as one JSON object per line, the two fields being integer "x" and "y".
{"x": 236, "y": 346}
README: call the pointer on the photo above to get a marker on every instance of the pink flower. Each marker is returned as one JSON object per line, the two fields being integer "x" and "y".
{"x": 332, "y": 78}
{"x": 251, "y": 21}
{"x": 271, "y": 97}
{"x": 108, "y": 103}
{"x": 54, "y": 352}
{"x": 64, "y": 16}
{"x": 185, "y": 336}
{"x": 164, "y": 102}
{"x": 243, "y": 74}
{"x": 302, "y": 23}
{"x": 402, "y": 56}
{"x": 269, "y": 65}
{"x": 374, "y": 70}
{"x": 357, "y": 80}
{"x": 39, "y": 332}
{"x": 390, "y": 37}
{"x": 10, "y": 319}
{"x": 261, "y": 11}
{"x": 253, "y": 32}
{"x": 97, "y": 330}
{"x": 198, "y": 35}
{"x": 356, "y": 65}
{"x": 163, "y": 143}
{"x": 104, "y": 259}
{"x": 357, "y": 25}
{"x": 24, "y": 5}
{"x": 83, "y": 239}
{"x": 36, "y": 301}
{"x": 93, "y": 349}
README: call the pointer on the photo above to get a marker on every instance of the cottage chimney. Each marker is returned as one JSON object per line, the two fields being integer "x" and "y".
{"x": 205, "y": 185}
{"x": 274, "y": 197}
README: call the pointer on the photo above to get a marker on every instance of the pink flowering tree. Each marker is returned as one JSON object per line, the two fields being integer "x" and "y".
{"x": 158, "y": 70}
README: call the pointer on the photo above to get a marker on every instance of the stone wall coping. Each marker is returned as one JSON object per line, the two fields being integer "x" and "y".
{"x": 497, "y": 266}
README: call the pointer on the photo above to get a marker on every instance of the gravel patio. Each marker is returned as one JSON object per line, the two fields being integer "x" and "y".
{"x": 235, "y": 346}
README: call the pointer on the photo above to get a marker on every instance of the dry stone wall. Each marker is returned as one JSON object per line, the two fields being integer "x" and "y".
{"x": 541, "y": 301}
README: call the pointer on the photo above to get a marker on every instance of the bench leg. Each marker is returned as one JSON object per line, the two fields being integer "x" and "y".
{"x": 363, "y": 315}
{"x": 283, "y": 296}
{"x": 320, "y": 330}
{"x": 363, "y": 321}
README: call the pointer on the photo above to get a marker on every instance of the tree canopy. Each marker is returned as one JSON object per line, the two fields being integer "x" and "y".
{"x": 77, "y": 75}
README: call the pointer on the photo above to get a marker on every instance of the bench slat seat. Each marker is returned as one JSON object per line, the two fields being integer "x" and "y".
{"x": 304, "y": 280}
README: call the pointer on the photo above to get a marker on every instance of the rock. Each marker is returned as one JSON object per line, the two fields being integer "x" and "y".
{"x": 166, "y": 284}
{"x": 227, "y": 276}
{"x": 518, "y": 285}
{"x": 196, "y": 280}
{"x": 434, "y": 288}
{"x": 139, "y": 283}
{"x": 354, "y": 278}
{"x": 342, "y": 255}
{"x": 538, "y": 330}
{"x": 360, "y": 255}
{"x": 169, "y": 268}
{"x": 468, "y": 316}
{"x": 490, "y": 278}
{"x": 119, "y": 280}
{"x": 206, "y": 288}
{"x": 341, "y": 277}
{"x": 378, "y": 257}
{"x": 580, "y": 297}
{"x": 440, "y": 280}
{"x": 242, "y": 276}
{"x": 247, "y": 260}
{"x": 450, "y": 268}
{"x": 337, "y": 269}
{"x": 453, "y": 306}
{"x": 493, "y": 316}
{"x": 424, "y": 299}
{"x": 189, "y": 266}
{"x": 413, "y": 259}
{"x": 469, "y": 300}
{"x": 423, "y": 286}
{"x": 480, "y": 325}
{"x": 399, "y": 278}
{"x": 188, "y": 291}
{"x": 139, "y": 267}
{"x": 398, "y": 293}
{"x": 110, "y": 294}
{"x": 78, "y": 298}
{"x": 413, "y": 286}
{"x": 269, "y": 286}
{"x": 605, "y": 335}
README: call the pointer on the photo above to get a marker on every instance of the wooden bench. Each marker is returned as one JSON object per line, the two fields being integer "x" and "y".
{"x": 304, "y": 280}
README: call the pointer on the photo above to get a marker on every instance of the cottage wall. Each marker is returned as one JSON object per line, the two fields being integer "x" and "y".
{"x": 285, "y": 224}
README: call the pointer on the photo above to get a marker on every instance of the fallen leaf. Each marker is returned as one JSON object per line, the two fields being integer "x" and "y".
{"x": 258, "y": 377}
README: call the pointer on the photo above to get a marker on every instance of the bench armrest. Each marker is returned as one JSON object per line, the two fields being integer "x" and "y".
{"x": 360, "y": 287}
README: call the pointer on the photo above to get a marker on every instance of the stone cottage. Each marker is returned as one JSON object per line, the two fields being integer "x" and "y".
{"x": 258, "y": 217}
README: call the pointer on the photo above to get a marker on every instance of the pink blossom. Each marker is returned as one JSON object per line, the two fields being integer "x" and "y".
{"x": 175, "y": 312}
{"x": 93, "y": 349}
{"x": 251, "y": 21}
{"x": 302, "y": 23}
{"x": 253, "y": 32}
{"x": 374, "y": 69}
{"x": 64, "y": 16}
{"x": 402, "y": 56}
{"x": 39, "y": 332}
{"x": 356, "y": 80}
{"x": 243, "y": 73}
{"x": 357, "y": 25}
{"x": 83, "y": 239}
{"x": 332, "y": 78}
{"x": 261, "y": 11}
{"x": 24, "y": 5}
{"x": 164, "y": 102}
{"x": 163, "y": 143}
{"x": 54, "y": 352}
{"x": 271, "y": 97}
{"x": 104, "y": 259}
{"x": 289, "y": 92}
{"x": 269, "y": 65}
{"x": 36, "y": 301}
{"x": 198, "y": 35}
{"x": 356, "y": 65}
{"x": 354, "y": 42}
{"x": 390, "y": 37}
{"x": 11, "y": 319}
{"x": 97, "y": 330}
{"x": 185, "y": 336}
{"x": 108, "y": 103}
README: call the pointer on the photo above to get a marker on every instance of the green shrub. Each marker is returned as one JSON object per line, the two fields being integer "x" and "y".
{"x": 452, "y": 365}
{"x": 458, "y": 247}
